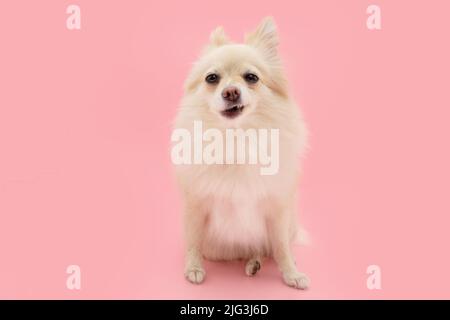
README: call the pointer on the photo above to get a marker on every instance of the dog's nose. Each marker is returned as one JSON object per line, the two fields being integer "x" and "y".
{"x": 231, "y": 93}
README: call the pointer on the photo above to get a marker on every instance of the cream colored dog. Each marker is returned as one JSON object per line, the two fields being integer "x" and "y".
{"x": 231, "y": 211}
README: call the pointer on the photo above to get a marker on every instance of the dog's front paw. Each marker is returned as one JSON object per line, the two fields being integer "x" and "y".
{"x": 195, "y": 274}
{"x": 297, "y": 280}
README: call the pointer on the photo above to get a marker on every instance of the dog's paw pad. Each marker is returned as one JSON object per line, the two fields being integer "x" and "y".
{"x": 252, "y": 267}
{"x": 297, "y": 280}
{"x": 195, "y": 275}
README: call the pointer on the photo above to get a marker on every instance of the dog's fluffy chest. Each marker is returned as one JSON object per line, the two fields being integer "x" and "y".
{"x": 235, "y": 226}
{"x": 238, "y": 220}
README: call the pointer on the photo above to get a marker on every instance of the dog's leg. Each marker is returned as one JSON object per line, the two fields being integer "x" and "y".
{"x": 281, "y": 251}
{"x": 252, "y": 266}
{"x": 194, "y": 224}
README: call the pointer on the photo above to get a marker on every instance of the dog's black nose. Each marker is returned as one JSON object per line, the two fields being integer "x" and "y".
{"x": 231, "y": 93}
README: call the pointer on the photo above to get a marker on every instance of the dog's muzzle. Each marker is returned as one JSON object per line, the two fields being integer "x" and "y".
{"x": 233, "y": 111}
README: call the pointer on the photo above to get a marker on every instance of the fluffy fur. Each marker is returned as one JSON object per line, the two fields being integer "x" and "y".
{"x": 231, "y": 211}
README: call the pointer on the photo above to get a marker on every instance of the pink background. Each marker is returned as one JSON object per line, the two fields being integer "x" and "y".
{"x": 85, "y": 172}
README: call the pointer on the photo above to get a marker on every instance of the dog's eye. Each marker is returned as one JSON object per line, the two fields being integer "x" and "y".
{"x": 251, "y": 77}
{"x": 212, "y": 78}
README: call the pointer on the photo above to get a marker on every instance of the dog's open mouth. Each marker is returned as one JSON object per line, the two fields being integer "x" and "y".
{"x": 233, "y": 111}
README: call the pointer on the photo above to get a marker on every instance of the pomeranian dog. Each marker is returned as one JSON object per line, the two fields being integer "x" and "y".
{"x": 232, "y": 211}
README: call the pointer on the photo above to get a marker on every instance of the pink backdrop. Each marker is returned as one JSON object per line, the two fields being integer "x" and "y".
{"x": 85, "y": 172}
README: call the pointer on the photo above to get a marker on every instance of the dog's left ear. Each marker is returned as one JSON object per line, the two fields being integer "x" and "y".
{"x": 264, "y": 38}
{"x": 218, "y": 37}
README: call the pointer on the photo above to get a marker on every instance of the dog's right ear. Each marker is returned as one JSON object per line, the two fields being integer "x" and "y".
{"x": 218, "y": 37}
{"x": 265, "y": 38}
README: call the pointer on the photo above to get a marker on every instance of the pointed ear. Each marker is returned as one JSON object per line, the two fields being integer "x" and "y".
{"x": 264, "y": 38}
{"x": 218, "y": 37}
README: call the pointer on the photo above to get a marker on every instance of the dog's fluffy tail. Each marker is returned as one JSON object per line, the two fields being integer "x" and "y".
{"x": 302, "y": 237}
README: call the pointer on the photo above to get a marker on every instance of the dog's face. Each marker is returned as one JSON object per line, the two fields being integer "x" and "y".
{"x": 232, "y": 81}
{"x": 235, "y": 80}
